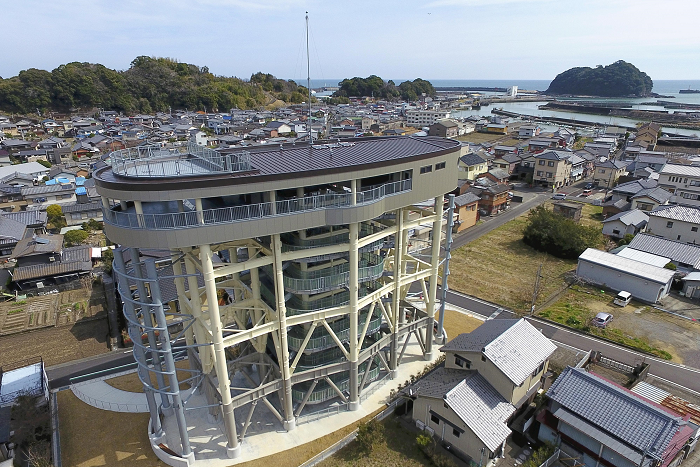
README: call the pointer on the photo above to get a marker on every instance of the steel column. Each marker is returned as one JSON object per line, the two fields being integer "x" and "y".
{"x": 353, "y": 288}
{"x": 434, "y": 269}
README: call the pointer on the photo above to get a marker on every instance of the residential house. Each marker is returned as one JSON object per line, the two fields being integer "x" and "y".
{"x": 80, "y": 212}
{"x": 683, "y": 181}
{"x": 493, "y": 199}
{"x": 685, "y": 256}
{"x": 579, "y": 167}
{"x": 15, "y": 145}
{"x": 507, "y": 162}
{"x": 394, "y": 132}
{"x": 44, "y": 195}
{"x": 604, "y": 424}
{"x": 647, "y": 136}
{"x": 542, "y": 143}
{"x": 466, "y": 211}
{"x": 11, "y": 199}
{"x": 629, "y": 189}
{"x": 487, "y": 376}
{"x": 498, "y": 128}
{"x": 421, "y": 118}
{"x": 496, "y": 175}
{"x": 552, "y": 168}
{"x": 602, "y": 149}
{"x": 651, "y": 198}
{"x": 444, "y": 128}
{"x": 42, "y": 259}
{"x": 607, "y": 172}
{"x": 627, "y": 222}
{"x": 282, "y": 128}
{"x": 675, "y": 222}
{"x": 500, "y": 150}
{"x": 52, "y": 142}
{"x": 528, "y": 131}
{"x": 565, "y": 136}
{"x": 644, "y": 281}
{"x": 470, "y": 166}
{"x": 31, "y": 170}
{"x": 14, "y": 226}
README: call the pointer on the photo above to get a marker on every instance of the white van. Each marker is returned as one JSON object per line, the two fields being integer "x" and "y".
{"x": 623, "y": 298}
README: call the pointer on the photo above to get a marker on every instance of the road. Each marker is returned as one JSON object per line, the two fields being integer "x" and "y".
{"x": 683, "y": 375}
{"x": 491, "y": 223}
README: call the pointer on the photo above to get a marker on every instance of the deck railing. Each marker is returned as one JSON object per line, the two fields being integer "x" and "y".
{"x": 189, "y": 219}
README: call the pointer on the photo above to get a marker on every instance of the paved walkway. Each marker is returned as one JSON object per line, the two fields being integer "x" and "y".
{"x": 98, "y": 393}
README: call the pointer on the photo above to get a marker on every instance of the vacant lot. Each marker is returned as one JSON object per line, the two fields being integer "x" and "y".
{"x": 475, "y": 137}
{"x": 500, "y": 268}
{"x": 56, "y": 345}
{"x": 635, "y": 325}
{"x": 457, "y": 323}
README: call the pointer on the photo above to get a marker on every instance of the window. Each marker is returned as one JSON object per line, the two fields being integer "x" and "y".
{"x": 601, "y": 171}
{"x": 550, "y": 163}
{"x": 549, "y": 174}
{"x": 483, "y": 357}
{"x": 538, "y": 370}
{"x": 695, "y": 183}
{"x": 434, "y": 419}
{"x": 440, "y": 165}
{"x": 616, "y": 232}
{"x": 426, "y": 169}
{"x": 455, "y": 432}
{"x": 694, "y": 229}
{"x": 679, "y": 237}
{"x": 669, "y": 224}
{"x": 462, "y": 362}
{"x": 539, "y": 173}
{"x": 541, "y": 162}
{"x": 645, "y": 206}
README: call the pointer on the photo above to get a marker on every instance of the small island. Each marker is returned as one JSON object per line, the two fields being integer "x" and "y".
{"x": 619, "y": 79}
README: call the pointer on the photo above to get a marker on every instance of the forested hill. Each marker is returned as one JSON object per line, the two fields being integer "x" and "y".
{"x": 374, "y": 86}
{"x": 619, "y": 79}
{"x": 149, "y": 85}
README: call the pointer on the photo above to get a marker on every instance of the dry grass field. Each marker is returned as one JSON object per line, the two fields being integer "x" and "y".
{"x": 500, "y": 268}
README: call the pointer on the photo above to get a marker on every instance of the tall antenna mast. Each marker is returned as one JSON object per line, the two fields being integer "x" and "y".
{"x": 308, "y": 80}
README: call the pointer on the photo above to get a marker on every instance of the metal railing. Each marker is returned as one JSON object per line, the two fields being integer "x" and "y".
{"x": 226, "y": 215}
{"x": 296, "y": 306}
{"x": 323, "y": 280}
{"x": 327, "y": 412}
{"x": 153, "y": 162}
{"x": 325, "y": 391}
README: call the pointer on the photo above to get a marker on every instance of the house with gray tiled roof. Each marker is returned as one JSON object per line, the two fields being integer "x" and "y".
{"x": 602, "y": 423}
{"x": 685, "y": 256}
{"x": 676, "y": 222}
{"x": 488, "y": 375}
{"x": 471, "y": 165}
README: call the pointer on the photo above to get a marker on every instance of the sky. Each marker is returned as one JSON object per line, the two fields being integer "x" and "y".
{"x": 405, "y": 39}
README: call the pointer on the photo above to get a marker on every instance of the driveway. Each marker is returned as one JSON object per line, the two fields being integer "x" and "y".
{"x": 686, "y": 307}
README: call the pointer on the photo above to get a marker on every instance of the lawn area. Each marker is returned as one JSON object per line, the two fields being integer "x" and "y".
{"x": 457, "y": 323}
{"x": 500, "y": 268}
{"x": 397, "y": 449}
{"x": 580, "y": 304}
{"x": 476, "y": 137}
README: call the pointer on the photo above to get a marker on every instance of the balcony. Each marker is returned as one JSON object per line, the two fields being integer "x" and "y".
{"x": 248, "y": 212}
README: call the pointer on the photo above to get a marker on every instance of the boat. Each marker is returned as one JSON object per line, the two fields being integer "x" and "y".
{"x": 689, "y": 91}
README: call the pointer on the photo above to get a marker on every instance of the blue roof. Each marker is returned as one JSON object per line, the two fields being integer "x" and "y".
{"x": 50, "y": 182}
{"x": 79, "y": 181}
{"x": 81, "y": 191}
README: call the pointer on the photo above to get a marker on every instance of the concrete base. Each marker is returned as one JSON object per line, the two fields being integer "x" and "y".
{"x": 167, "y": 411}
{"x": 353, "y": 405}
{"x": 189, "y": 458}
{"x": 157, "y": 438}
{"x": 394, "y": 374}
{"x": 430, "y": 356}
{"x": 289, "y": 425}
{"x": 232, "y": 453}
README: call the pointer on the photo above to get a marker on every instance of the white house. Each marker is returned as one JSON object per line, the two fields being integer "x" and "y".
{"x": 626, "y": 222}
{"x": 643, "y": 281}
{"x": 683, "y": 181}
{"x": 675, "y": 222}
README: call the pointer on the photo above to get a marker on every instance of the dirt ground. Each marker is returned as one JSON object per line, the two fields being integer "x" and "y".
{"x": 56, "y": 345}
{"x": 132, "y": 383}
{"x": 637, "y": 323}
{"x": 457, "y": 323}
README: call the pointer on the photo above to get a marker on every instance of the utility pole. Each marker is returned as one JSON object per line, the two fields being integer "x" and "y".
{"x": 308, "y": 79}
{"x": 446, "y": 263}
{"x": 536, "y": 290}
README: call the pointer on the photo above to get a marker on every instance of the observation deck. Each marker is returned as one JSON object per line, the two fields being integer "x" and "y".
{"x": 169, "y": 198}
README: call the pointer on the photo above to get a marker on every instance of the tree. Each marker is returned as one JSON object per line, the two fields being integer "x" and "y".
{"x": 31, "y": 422}
{"x": 75, "y": 237}
{"x": 619, "y": 79}
{"x": 557, "y": 235}
{"x": 108, "y": 258}
{"x": 46, "y": 164}
{"x": 54, "y": 215}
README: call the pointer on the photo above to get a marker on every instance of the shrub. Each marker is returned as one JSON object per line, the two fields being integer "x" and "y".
{"x": 671, "y": 266}
{"x": 539, "y": 456}
{"x": 557, "y": 235}
{"x": 369, "y": 434}
{"x": 426, "y": 444}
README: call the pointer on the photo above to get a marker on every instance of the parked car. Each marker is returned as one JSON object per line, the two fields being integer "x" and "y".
{"x": 622, "y": 298}
{"x": 601, "y": 320}
{"x": 588, "y": 186}
{"x": 586, "y": 192}
{"x": 559, "y": 196}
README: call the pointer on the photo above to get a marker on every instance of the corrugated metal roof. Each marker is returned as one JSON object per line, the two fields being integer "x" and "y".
{"x": 628, "y": 266}
{"x": 678, "y": 251}
{"x": 643, "y": 257}
{"x": 680, "y": 169}
{"x": 615, "y": 411}
{"x": 678, "y": 213}
{"x": 634, "y": 217}
{"x": 482, "y": 408}
{"x": 519, "y": 350}
{"x": 650, "y": 392}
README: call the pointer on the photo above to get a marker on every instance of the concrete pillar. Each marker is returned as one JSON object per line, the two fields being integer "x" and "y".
{"x": 200, "y": 210}
{"x": 123, "y": 205}
{"x": 283, "y": 359}
{"x": 435, "y": 268}
{"x": 353, "y": 191}
{"x": 139, "y": 213}
{"x": 353, "y": 287}
{"x": 395, "y": 298}
{"x": 233, "y": 448}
